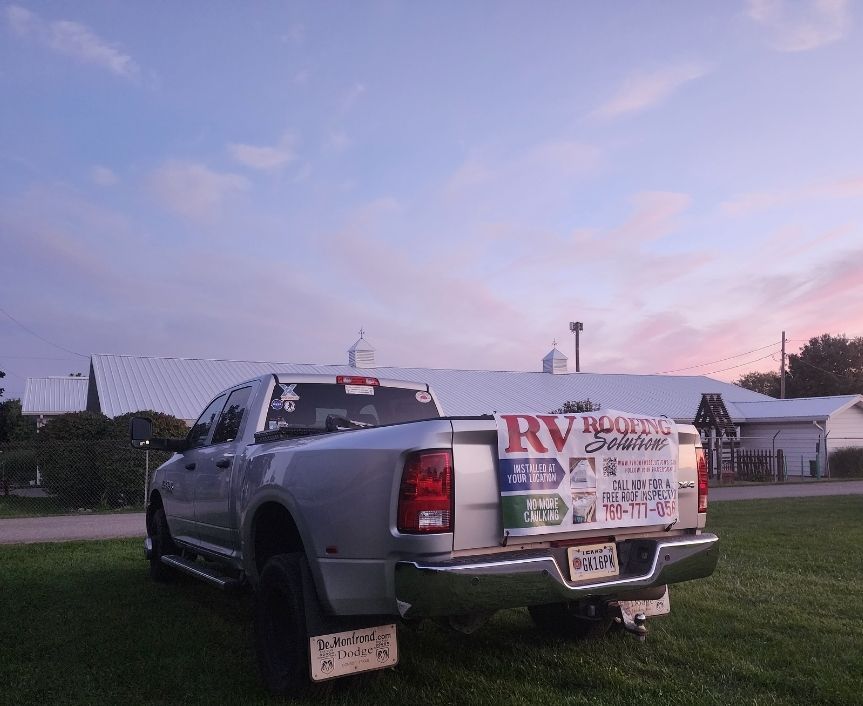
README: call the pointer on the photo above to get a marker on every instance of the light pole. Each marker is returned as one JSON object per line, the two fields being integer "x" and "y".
{"x": 575, "y": 327}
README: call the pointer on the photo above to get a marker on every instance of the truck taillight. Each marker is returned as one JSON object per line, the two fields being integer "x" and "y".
{"x": 426, "y": 493}
{"x": 701, "y": 462}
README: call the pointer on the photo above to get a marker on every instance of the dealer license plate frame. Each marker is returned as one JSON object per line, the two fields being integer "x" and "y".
{"x": 325, "y": 662}
{"x": 650, "y": 608}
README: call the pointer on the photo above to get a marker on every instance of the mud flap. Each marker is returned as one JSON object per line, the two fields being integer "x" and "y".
{"x": 343, "y": 645}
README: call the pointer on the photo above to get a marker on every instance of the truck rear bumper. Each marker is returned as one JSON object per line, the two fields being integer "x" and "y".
{"x": 459, "y": 587}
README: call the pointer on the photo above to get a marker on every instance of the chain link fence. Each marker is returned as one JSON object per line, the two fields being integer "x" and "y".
{"x": 54, "y": 477}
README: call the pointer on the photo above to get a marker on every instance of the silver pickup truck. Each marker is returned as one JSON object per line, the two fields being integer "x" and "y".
{"x": 350, "y": 505}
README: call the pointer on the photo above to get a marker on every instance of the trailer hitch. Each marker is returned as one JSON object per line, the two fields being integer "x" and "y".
{"x": 633, "y": 623}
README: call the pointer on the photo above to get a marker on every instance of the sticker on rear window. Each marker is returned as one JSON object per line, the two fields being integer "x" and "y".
{"x": 290, "y": 406}
{"x": 423, "y": 397}
{"x": 288, "y": 393}
{"x": 359, "y": 389}
{"x": 276, "y": 404}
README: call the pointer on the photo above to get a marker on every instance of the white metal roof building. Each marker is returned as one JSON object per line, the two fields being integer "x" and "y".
{"x": 48, "y": 396}
{"x": 182, "y": 387}
{"x": 806, "y": 429}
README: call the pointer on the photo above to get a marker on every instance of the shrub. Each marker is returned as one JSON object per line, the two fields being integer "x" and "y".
{"x": 17, "y": 467}
{"x": 163, "y": 425}
{"x": 846, "y": 463}
{"x": 87, "y": 462}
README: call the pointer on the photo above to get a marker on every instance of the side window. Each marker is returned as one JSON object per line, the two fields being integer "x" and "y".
{"x": 228, "y": 427}
{"x": 198, "y": 434}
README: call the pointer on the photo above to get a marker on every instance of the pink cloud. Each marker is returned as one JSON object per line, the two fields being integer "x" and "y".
{"x": 645, "y": 90}
{"x": 746, "y": 204}
{"x": 801, "y": 26}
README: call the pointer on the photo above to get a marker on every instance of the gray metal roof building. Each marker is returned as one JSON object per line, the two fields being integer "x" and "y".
{"x": 183, "y": 386}
{"x": 54, "y": 395}
{"x": 804, "y": 408}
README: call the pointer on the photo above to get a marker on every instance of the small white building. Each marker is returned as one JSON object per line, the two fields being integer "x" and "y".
{"x": 806, "y": 429}
{"x": 49, "y": 396}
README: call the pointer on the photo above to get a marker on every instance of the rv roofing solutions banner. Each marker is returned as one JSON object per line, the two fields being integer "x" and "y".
{"x": 565, "y": 472}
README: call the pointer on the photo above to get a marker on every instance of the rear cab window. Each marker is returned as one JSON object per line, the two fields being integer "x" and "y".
{"x": 231, "y": 419}
{"x": 200, "y": 432}
{"x": 307, "y": 405}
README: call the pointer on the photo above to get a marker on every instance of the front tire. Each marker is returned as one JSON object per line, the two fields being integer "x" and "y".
{"x": 564, "y": 619}
{"x": 162, "y": 545}
{"x": 281, "y": 639}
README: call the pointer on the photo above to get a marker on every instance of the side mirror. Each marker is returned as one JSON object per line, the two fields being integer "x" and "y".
{"x": 140, "y": 432}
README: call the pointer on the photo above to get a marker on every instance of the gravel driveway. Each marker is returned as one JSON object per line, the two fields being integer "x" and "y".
{"x": 67, "y": 528}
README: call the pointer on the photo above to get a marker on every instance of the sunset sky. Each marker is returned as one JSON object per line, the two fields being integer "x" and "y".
{"x": 257, "y": 181}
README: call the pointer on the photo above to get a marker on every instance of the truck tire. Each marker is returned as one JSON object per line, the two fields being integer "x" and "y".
{"x": 281, "y": 640}
{"x": 563, "y": 619}
{"x": 162, "y": 545}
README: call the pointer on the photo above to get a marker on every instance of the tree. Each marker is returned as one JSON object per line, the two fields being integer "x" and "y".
{"x": 164, "y": 425}
{"x": 577, "y": 407}
{"x": 765, "y": 383}
{"x": 2, "y": 389}
{"x": 826, "y": 365}
{"x": 13, "y": 425}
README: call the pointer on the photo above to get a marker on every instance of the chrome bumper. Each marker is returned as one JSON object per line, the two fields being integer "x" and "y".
{"x": 452, "y": 588}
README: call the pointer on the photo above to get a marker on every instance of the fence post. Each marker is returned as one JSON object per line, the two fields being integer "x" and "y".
{"x": 146, "y": 474}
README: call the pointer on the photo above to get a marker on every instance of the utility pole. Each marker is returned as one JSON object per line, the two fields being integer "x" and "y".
{"x": 782, "y": 371}
{"x": 575, "y": 327}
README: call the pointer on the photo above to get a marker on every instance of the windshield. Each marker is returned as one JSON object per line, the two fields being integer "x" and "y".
{"x": 308, "y": 405}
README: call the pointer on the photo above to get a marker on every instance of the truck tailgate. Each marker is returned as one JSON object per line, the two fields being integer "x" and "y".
{"x": 478, "y": 518}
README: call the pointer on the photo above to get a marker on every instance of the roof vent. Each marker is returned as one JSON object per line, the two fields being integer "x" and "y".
{"x": 361, "y": 354}
{"x": 554, "y": 362}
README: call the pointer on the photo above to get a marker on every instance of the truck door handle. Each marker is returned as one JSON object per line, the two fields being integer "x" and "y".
{"x": 190, "y": 466}
{"x": 224, "y": 462}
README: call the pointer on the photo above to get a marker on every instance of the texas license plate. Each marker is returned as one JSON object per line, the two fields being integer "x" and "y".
{"x": 592, "y": 561}
{"x": 353, "y": 651}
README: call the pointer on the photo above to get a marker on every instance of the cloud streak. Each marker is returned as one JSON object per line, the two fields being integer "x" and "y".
{"x": 265, "y": 157}
{"x": 194, "y": 190}
{"x": 645, "y": 90}
{"x": 801, "y": 26}
{"x": 72, "y": 39}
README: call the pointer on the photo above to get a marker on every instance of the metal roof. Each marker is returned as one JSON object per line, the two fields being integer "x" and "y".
{"x": 804, "y": 408}
{"x": 54, "y": 395}
{"x": 183, "y": 386}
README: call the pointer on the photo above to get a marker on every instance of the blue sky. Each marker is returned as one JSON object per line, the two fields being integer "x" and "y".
{"x": 258, "y": 181}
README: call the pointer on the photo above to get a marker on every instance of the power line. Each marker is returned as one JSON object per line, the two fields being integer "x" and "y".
{"x": 701, "y": 365}
{"x": 6, "y": 370}
{"x": 769, "y": 355}
{"x": 41, "y": 338}
{"x": 34, "y": 357}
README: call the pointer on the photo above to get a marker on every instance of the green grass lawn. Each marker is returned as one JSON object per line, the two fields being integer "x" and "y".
{"x": 779, "y": 623}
